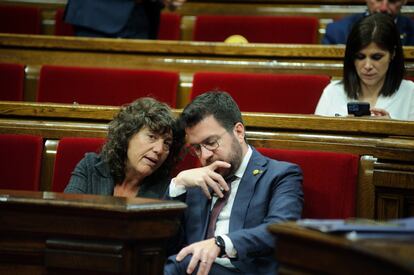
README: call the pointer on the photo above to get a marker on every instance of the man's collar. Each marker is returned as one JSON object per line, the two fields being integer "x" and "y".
{"x": 242, "y": 168}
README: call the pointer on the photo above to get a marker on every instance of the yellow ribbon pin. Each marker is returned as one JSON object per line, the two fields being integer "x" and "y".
{"x": 257, "y": 171}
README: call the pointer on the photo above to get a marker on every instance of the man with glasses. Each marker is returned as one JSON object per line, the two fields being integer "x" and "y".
{"x": 337, "y": 32}
{"x": 232, "y": 198}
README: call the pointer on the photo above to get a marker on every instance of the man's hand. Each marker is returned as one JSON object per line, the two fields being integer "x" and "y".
{"x": 204, "y": 178}
{"x": 204, "y": 253}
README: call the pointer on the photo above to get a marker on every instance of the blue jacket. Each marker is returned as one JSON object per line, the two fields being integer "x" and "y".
{"x": 273, "y": 195}
{"x": 337, "y": 32}
{"x": 111, "y": 16}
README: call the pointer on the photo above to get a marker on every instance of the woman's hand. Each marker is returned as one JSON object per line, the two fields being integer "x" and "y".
{"x": 380, "y": 113}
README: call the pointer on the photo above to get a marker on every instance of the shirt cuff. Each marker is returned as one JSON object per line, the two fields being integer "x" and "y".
{"x": 174, "y": 190}
{"x": 231, "y": 252}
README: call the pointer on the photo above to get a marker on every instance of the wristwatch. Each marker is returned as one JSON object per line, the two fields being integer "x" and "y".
{"x": 221, "y": 244}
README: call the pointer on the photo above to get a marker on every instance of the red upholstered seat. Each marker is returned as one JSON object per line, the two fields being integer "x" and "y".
{"x": 274, "y": 93}
{"x": 20, "y": 19}
{"x": 169, "y": 28}
{"x": 69, "y": 152}
{"x": 105, "y": 86}
{"x": 11, "y": 81}
{"x": 20, "y": 161}
{"x": 257, "y": 29}
{"x": 410, "y": 78}
{"x": 188, "y": 161}
{"x": 329, "y": 183}
{"x": 61, "y": 27}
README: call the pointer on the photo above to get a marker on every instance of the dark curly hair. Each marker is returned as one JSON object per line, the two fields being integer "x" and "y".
{"x": 143, "y": 112}
{"x": 380, "y": 29}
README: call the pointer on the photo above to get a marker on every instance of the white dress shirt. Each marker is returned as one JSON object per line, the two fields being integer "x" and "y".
{"x": 223, "y": 220}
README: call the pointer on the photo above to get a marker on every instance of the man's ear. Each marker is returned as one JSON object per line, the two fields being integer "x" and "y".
{"x": 239, "y": 131}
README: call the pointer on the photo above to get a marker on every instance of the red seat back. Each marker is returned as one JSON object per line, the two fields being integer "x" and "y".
{"x": 20, "y": 19}
{"x": 257, "y": 29}
{"x": 20, "y": 161}
{"x": 11, "y": 81}
{"x": 169, "y": 28}
{"x": 69, "y": 152}
{"x": 187, "y": 161}
{"x": 61, "y": 27}
{"x": 104, "y": 86}
{"x": 410, "y": 78}
{"x": 329, "y": 181}
{"x": 274, "y": 93}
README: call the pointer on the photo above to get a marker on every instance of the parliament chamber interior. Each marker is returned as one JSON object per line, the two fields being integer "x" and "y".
{"x": 58, "y": 92}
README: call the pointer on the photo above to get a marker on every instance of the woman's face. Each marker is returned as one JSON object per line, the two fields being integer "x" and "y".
{"x": 147, "y": 151}
{"x": 371, "y": 64}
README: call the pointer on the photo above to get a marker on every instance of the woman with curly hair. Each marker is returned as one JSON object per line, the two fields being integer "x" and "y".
{"x": 137, "y": 157}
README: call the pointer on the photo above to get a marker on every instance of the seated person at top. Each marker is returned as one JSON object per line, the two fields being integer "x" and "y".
{"x": 137, "y": 156}
{"x": 137, "y": 19}
{"x": 337, "y": 32}
{"x": 373, "y": 73}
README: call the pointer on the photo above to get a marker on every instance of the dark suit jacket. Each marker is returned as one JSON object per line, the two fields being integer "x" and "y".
{"x": 112, "y": 16}
{"x": 272, "y": 195}
{"x": 337, "y": 32}
{"x": 92, "y": 176}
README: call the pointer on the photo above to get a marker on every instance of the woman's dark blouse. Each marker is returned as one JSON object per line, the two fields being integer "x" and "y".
{"x": 92, "y": 176}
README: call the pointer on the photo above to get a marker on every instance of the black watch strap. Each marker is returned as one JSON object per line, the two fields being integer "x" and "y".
{"x": 221, "y": 244}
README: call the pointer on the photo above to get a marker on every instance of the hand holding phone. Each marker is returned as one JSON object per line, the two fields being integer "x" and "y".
{"x": 359, "y": 109}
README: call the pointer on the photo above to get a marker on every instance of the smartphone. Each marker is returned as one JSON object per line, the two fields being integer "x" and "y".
{"x": 359, "y": 109}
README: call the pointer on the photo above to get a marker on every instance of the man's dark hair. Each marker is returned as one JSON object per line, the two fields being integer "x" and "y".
{"x": 380, "y": 29}
{"x": 219, "y": 104}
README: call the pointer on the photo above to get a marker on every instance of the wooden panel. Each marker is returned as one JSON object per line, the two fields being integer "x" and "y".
{"x": 298, "y": 249}
{"x": 89, "y": 234}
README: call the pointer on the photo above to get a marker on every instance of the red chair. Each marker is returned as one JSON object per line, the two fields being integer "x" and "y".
{"x": 274, "y": 93}
{"x": 20, "y": 161}
{"x": 188, "y": 161}
{"x": 11, "y": 82}
{"x": 257, "y": 29}
{"x": 20, "y": 19}
{"x": 69, "y": 152}
{"x": 61, "y": 27}
{"x": 104, "y": 86}
{"x": 329, "y": 183}
{"x": 410, "y": 78}
{"x": 169, "y": 28}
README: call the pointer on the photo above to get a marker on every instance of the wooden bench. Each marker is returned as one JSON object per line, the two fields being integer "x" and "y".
{"x": 386, "y": 177}
{"x": 326, "y": 11}
{"x": 183, "y": 57}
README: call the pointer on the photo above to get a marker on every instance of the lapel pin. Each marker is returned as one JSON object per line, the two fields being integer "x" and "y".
{"x": 257, "y": 171}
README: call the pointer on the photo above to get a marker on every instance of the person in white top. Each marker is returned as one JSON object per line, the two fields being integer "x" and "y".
{"x": 373, "y": 73}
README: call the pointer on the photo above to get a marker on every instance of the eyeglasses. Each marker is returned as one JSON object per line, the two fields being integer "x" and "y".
{"x": 211, "y": 144}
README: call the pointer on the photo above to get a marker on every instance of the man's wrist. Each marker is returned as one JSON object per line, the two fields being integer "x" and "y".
{"x": 221, "y": 244}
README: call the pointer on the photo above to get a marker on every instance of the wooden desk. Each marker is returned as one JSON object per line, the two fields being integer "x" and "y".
{"x": 54, "y": 233}
{"x": 305, "y": 251}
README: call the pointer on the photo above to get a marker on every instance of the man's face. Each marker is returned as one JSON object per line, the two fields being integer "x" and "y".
{"x": 391, "y": 7}
{"x": 211, "y": 134}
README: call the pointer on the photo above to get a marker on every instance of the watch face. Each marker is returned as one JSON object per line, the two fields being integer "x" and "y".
{"x": 221, "y": 244}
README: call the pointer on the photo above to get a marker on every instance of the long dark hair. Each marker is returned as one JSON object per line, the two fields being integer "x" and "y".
{"x": 380, "y": 29}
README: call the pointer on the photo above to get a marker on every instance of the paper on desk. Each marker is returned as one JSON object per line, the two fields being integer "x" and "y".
{"x": 360, "y": 225}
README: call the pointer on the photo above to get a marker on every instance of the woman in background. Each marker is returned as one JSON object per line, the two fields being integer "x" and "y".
{"x": 137, "y": 156}
{"x": 373, "y": 73}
